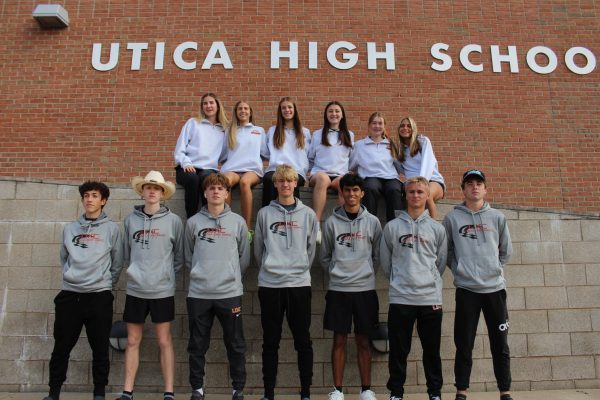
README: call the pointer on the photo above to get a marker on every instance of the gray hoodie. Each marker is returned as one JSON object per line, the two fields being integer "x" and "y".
{"x": 350, "y": 250}
{"x": 91, "y": 255}
{"x": 285, "y": 244}
{"x": 153, "y": 247}
{"x": 217, "y": 254}
{"x": 413, "y": 255}
{"x": 479, "y": 247}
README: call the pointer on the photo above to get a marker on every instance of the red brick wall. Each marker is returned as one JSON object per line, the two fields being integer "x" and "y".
{"x": 536, "y": 136}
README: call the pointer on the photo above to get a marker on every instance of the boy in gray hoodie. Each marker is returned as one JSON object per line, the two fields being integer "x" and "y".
{"x": 284, "y": 246}
{"x": 153, "y": 248}
{"x": 413, "y": 255}
{"x": 91, "y": 257}
{"x": 217, "y": 253}
{"x": 479, "y": 247}
{"x": 350, "y": 256}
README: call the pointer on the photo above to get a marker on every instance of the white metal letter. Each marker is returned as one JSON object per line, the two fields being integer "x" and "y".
{"x": 387, "y": 55}
{"x": 312, "y": 55}
{"x": 550, "y": 55}
{"x": 351, "y": 58}
{"x": 159, "y": 55}
{"x": 590, "y": 57}
{"x": 436, "y": 52}
{"x": 113, "y": 59}
{"x": 464, "y": 57}
{"x": 292, "y": 55}
{"x": 217, "y": 55}
{"x": 136, "y": 56}
{"x": 178, "y": 55}
{"x": 510, "y": 58}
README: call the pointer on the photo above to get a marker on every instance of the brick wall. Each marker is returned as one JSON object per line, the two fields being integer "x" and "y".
{"x": 537, "y": 136}
{"x": 553, "y": 291}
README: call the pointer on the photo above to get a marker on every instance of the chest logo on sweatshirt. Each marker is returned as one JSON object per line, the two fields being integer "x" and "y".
{"x": 470, "y": 231}
{"x": 211, "y": 234}
{"x": 85, "y": 239}
{"x": 255, "y": 132}
{"x": 143, "y": 235}
{"x": 410, "y": 239}
{"x": 345, "y": 239}
{"x": 280, "y": 228}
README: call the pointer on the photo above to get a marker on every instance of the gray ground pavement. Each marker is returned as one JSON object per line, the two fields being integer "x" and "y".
{"x": 572, "y": 394}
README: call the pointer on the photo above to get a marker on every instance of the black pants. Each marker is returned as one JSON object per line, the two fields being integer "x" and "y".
{"x": 401, "y": 319}
{"x": 270, "y": 193}
{"x": 468, "y": 307}
{"x": 295, "y": 304}
{"x": 73, "y": 311}
{"x": 201, "y": 314}
{"x": 392, "y": 192}
{"x": 192, "y": 183}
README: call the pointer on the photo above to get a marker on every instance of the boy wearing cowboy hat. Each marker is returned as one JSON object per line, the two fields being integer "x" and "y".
{"x": 153, "y": 248}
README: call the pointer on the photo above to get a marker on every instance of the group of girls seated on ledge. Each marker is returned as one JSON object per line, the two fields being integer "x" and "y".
{"x": 240, "y": 147}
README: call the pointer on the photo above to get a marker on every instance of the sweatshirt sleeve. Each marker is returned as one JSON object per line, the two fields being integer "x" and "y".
{"x": 264, "y": 146}
{"x": 126, "y": 242}
{"x": 259, "y": 241}
{"x": 64, "y": 252}
{"x": 376, "y": 245}
{"x": 116, "y": 255}
{"x": 311, "y": 242}
{"x": 181, "y": 157}
{"x": 178, "y": 255}
{"x": 243, "y": 247}
{"x": 353, "y": 161}
{"x": 188, "y": 244}
{"x": 428, "y": 160}
{"x": 326, "y": 246}
{"x": 442, "y": 249}
{"x": 450, "y": 257}
{"x": 386, "y": 250}
{"x": 504, "y": 242}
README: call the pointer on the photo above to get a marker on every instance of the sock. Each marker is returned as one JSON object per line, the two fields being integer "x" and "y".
{"x": 365, "y": 387}
{"x": 505, "y": 396}
{"x": 201, "y": 391}
{"x": 338, "y": 388}
{"x": 127, "y": 394}
{"x": 169, "y": 396}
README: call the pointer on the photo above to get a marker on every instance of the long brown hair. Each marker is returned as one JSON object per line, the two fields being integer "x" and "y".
{"x": 343, "y": 134}
{"x": 279, "y": 137}
{"x": 413, "y": 144}
{"x": 393, "y": 145}
{"x": 221, "y": 116}
{"x": 233, "y": 126}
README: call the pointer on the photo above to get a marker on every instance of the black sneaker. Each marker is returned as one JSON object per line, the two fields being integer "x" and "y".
{"x": 196, "y": 395}
{"x": 237, "y": 395}
{"x": 434, "y": 397}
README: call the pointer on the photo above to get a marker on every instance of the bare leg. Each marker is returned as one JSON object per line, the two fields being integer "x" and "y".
{"x": 436, "y": 192}
{"x": 336, "y": 185}
{"x": 319, "y": 182}
{"x": 132, "y": 354}
{"x": 248, "y": 180}
{"x": 234, "y": 179}
{"x": 167, "y": 355}
{"x": 363, "y": 355}
{"x": 338, "y": 358}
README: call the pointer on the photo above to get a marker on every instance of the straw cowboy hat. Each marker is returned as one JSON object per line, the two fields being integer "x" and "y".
{"x": 155, "y": 178}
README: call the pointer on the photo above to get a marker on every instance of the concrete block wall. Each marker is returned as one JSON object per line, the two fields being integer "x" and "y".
{"x": 553, "y": 297}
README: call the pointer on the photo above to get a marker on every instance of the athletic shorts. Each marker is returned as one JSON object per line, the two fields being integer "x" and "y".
{"x": 341, "y": 308}
{"x": 160, "y": 310}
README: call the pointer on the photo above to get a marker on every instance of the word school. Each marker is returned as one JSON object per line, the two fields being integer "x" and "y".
{"x": 344, "y": 55}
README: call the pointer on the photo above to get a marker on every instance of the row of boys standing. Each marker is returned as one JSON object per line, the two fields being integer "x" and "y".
{"x": 412, "y": 251}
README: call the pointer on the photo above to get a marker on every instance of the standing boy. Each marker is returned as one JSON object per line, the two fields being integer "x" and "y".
{"x": 217, "y": 252}
{"x": 479, "y": 247}
{"x": 91, "y": 257}
{"x": 284, "y": 245}
{"x": 413, "y": 255}
{"x": 154, "y": 250}
{"x": 350, "y": 255}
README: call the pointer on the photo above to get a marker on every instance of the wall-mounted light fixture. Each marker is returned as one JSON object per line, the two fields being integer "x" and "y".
{"x": 51, "y": 16}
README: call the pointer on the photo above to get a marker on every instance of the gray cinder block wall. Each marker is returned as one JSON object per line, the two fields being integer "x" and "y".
{"x": 554, "y": 302}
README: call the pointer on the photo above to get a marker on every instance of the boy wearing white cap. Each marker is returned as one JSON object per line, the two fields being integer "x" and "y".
{"x": 153, "y": 247}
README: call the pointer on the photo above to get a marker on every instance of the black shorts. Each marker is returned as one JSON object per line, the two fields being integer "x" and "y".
{"x": 343, "y": 307}
{"x": 160, "y": 310}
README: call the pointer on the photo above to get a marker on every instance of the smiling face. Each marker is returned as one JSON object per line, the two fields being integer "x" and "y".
{"x": 243, "y": 113}
{"x": 285, "y": 188}
{"x": 352, "y": 196}
{"x": 92, "y": 202}
{"x": 334, "y": 115}
{"x": 405, "y": 131}
{"x": 376, "y": 127}
{"x": 287, "y": 110}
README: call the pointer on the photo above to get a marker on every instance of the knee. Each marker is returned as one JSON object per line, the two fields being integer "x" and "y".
{"x": 165, "y": 342}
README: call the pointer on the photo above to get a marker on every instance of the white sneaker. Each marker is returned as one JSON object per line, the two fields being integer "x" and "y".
{"x": 336, "y": 394}
{"x": 367, "y": 395}
{"x": 319, "y": 243}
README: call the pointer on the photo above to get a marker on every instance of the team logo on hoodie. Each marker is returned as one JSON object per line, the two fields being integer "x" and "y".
{"x": 410, "y": 239}
{"x": 345, "y": 239}
{"x": 144, "y": 235}
{"x": 281, "y": 227}
{"x": 470, "y": 231}
{"x": 85, "y": 238}
{"x": 210, "y": 234}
